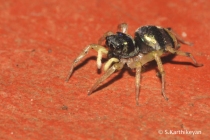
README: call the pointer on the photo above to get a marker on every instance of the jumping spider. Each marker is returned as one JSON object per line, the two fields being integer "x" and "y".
{"x": 149, "y": 43}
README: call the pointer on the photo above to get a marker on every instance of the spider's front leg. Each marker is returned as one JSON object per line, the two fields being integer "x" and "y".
{"x": 100, "y": 41}
{"x": 100, "y": 49}
{"x": 110, "y": 71}
{"x": 123, "y": 27}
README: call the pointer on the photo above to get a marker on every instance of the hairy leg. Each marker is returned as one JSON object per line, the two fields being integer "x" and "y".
{"x": 123, "y": 27}
{"x": 100, "y": 49}
{"x": 136, "y": 63}
{"x": 138, "y": 78}
{"x": 100, "y": 41}
{"x": 179, "y": 38}
{"x": 110, "y": 71}
{"x": 172, "y": 50}
{"x": 162, "y": 72}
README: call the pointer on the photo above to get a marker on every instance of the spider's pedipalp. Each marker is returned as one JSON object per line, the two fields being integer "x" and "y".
{"x": 100, "y": 49}
{"x": 109, "y": 63}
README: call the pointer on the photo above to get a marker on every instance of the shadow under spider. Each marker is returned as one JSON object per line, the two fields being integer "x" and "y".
{"x": 149, "y": 66}
{"x": 83, "y": 63}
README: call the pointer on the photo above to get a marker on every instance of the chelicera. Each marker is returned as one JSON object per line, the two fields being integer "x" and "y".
{"x": 149, "y": 43}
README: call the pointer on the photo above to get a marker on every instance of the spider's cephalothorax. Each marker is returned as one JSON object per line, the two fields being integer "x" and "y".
{"x": 149, "y": 43}
{"x": 121, "y": 46}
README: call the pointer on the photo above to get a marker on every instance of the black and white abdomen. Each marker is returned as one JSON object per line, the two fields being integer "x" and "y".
{"x": 152, "y": 38}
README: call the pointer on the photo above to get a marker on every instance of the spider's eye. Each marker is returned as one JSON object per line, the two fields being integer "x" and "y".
{"x": 111, "y": 46}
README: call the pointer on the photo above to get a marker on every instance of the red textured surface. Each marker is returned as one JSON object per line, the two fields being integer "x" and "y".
{"x": 40, "y": 38}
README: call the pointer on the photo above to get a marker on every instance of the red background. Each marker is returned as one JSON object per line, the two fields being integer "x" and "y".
{"x": 40, "y": 38}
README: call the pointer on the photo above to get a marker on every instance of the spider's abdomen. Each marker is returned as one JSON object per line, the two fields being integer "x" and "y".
{"x": 152, "y": 38}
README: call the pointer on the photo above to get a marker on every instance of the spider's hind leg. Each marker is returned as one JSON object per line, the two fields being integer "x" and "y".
{"x": 100, "y": 49}
{"x": 187, "y": 54}
{"x": 179, "y": 38}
